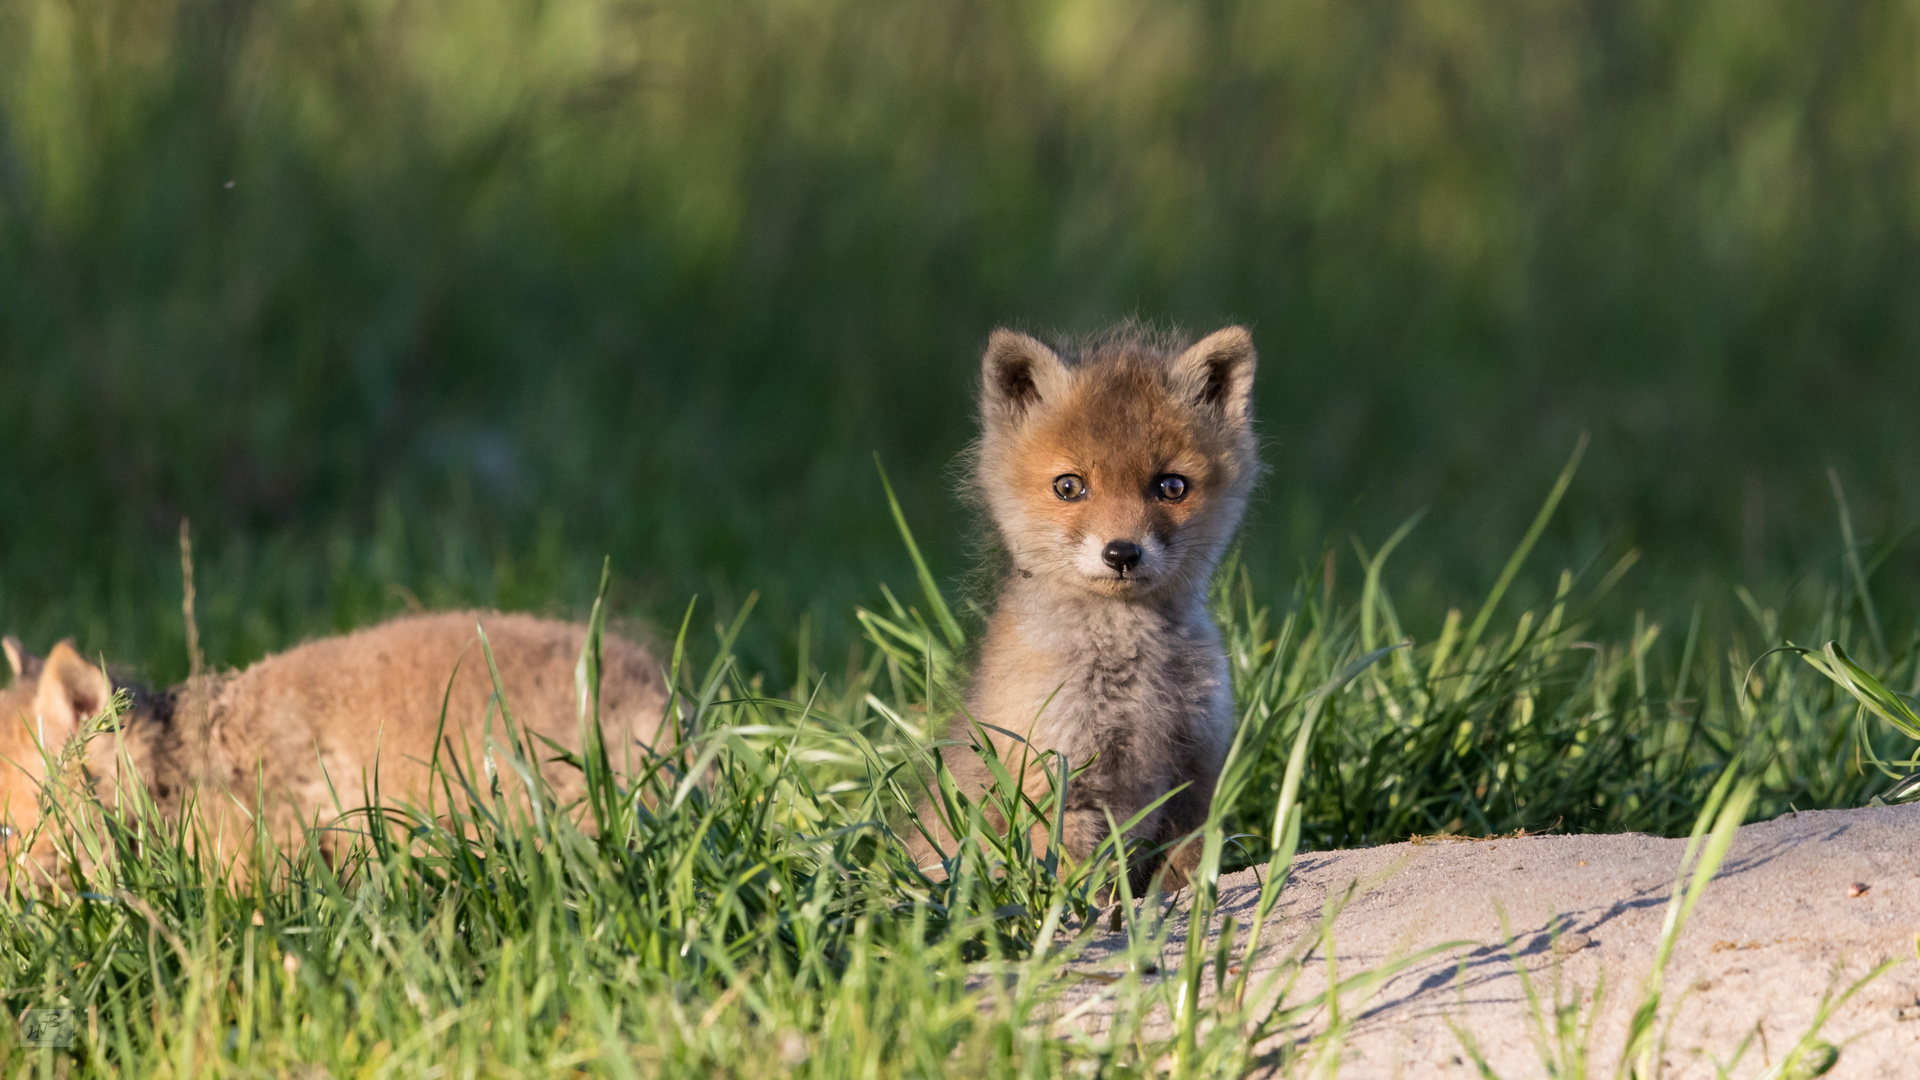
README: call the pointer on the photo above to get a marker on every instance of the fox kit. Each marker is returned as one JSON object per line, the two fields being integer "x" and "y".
{"x": 295, "y": 730}
{"x": 1115, "y": 473}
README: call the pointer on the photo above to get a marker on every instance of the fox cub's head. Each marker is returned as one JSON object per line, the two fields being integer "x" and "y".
{"x": 1123, "y": 468}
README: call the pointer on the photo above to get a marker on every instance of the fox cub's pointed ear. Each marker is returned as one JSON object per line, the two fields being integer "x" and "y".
{"x": 71, "y": 690}
{"x": 1018, "y": 373}
{"x": 24, "y": 664}
{"x": 1217, "y": 374}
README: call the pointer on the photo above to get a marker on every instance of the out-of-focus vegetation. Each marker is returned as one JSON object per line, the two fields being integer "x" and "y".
{"x": 443, "y": 301}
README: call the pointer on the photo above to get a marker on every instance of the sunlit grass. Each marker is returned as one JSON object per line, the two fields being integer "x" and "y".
{"x": 740, "y": 904}
{"x": 737, "y": 907}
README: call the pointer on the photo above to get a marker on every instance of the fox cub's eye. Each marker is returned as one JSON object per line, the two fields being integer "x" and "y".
{"x": 1172, "y": 488}
{"x": 1069, "y": 487}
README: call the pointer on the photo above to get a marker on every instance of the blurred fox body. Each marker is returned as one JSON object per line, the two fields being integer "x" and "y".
{"x": 1115, "y": 475}
{"x": 296, "y": 730}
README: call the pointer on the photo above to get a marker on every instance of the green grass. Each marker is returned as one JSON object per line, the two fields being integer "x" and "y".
{"x": 740, "y": 907}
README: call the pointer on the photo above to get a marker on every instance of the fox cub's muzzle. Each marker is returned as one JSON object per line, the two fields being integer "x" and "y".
{"x": 1122, "y": 555}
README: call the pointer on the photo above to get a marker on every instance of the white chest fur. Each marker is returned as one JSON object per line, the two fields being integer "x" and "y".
{"x": 1066, "y": 676}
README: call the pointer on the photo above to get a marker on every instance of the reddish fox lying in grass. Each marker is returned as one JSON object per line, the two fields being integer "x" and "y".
{"x": 299, "y": 734}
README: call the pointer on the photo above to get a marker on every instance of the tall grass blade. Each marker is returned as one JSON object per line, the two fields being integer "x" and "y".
{"x": 1520, "y": 553}
{"x": 936, "y": 603}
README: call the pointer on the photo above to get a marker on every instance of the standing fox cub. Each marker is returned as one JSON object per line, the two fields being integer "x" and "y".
{"x": 298, "y": 733}
{"x": 1115, "y": 472}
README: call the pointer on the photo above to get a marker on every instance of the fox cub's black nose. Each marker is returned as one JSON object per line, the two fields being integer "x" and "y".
{"x": 1122, "y": 555}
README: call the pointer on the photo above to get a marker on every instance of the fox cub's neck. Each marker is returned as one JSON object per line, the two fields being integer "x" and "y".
{"x": 1076, "y": 616}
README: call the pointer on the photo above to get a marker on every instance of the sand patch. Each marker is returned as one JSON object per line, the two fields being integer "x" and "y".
{"x": 1798, "y": 899}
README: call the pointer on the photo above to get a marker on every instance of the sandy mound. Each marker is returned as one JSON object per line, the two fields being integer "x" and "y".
{"x": 1777, "y": 928}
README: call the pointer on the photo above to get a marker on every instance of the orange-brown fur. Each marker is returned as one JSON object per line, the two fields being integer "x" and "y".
{"x": 1120, "y": 667}
{"x": 296, "y": 730}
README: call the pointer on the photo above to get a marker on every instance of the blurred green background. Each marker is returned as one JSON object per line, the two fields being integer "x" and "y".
{"x": 402, "y": 300}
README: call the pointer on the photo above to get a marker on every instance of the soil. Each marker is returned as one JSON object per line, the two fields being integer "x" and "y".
{"x": 1802, "y": 906}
